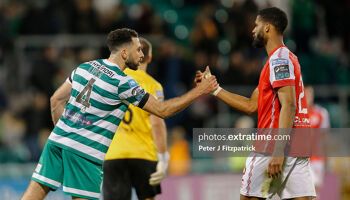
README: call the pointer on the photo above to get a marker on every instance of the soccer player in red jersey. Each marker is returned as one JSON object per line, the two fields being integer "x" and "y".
{"x": 319, "y": 118}
{"x": 280, "y": 102}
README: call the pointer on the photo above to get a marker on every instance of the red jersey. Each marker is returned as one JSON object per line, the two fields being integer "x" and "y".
{"x": 281, "y": 69}
{"x": 318, "y": 119}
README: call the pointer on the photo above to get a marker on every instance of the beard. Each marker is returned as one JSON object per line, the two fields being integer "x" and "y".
{"x": 259, "y": 41}
{"x": 130, "y": 63}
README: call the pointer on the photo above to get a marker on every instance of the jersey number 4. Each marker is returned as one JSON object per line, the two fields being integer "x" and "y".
{"x": 87, "y": 92}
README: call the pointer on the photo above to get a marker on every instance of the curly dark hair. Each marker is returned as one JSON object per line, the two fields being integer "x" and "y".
{"x": 119, "y": 37}
{"x": 276, "y": 17}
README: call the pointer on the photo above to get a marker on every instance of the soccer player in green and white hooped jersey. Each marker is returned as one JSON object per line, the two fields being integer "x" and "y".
{"x": 100, "y": 95}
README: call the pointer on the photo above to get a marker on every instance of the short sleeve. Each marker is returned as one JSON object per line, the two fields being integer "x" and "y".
{"x": 158, "y": 92}
{"x": 281, "y": 72}
{"x": 70, "y": 78}
{"x": 131, "y": 92}
{"x": 325, "y": 119}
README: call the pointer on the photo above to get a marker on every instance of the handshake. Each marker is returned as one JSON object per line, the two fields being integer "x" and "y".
{"x": 207, "y": 81}
{"x": 205, "y": 84}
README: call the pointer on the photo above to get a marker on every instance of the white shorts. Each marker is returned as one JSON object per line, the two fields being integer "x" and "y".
{"x": 318, "y": 171}
{"x": 296, "y": 179}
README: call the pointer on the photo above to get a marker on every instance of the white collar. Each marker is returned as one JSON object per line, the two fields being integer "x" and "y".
{"x": 110, "y": 63}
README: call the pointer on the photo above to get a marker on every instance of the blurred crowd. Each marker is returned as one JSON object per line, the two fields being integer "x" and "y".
{"x": 186, "y": 35}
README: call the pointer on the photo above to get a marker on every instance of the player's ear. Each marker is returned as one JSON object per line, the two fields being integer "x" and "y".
{"x": 267, "y": 27}
{"x": 149, "y": 59}
{"x": 124, "y": 54}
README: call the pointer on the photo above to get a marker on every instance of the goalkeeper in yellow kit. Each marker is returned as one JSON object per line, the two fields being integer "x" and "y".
{"x": 137, "y": 156}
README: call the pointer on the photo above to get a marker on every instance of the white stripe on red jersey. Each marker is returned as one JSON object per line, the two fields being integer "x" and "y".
{"x": 281, "y": 69}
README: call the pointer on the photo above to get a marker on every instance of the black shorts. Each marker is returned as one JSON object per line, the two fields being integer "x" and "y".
{"x": 120, "y": 175}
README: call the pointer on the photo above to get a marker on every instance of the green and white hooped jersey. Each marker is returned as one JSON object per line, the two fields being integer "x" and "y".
{"x": 101, "y": 94}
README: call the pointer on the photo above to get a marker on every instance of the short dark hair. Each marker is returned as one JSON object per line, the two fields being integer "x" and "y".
{"x": 276, "y": 17}
{"x": 145, "y": 47}
{"x": 119, "y": 37}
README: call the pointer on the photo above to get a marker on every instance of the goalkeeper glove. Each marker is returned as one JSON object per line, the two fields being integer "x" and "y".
{"x": 162, "y": 167}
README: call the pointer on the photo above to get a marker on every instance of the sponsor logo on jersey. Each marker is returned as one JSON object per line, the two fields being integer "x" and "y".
{"x": 281, "y": 72}
{"x": 97, "y": 69}
{"x": 77, "y": 118}
{"x": 279, "y": 61}
{"x": 107, "y": 71}
{"x": 301, "y": 121}
{"x": 94, "y": 63}
{"x": 281, "y": 68}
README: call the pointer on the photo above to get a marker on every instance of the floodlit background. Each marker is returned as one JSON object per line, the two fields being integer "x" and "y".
{"x": 42, "y": 41}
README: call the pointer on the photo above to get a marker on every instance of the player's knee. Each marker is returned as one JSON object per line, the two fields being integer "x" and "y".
{"x": 242, "y": 197}
{"x": 35, "y": 190}
{"x": 78, "y": 198}
{"x": 45, "y": 189}
{"x": 302, "y": 198}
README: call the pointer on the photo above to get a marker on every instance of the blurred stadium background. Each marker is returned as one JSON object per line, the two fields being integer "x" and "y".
{"x": 41, "y": 41}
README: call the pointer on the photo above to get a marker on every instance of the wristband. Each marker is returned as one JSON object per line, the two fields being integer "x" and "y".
{"x": 207, "y": 75}
{"x": 217, "y": 91}
{"x": 163, "y": 157}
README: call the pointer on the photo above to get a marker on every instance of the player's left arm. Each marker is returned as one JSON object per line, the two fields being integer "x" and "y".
{"x": 286, "y": 96}
{"x": 282, "y": 79}
{"x": 159, "y": 133}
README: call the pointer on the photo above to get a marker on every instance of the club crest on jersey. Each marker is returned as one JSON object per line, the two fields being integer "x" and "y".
{"x": 138, "y": 93}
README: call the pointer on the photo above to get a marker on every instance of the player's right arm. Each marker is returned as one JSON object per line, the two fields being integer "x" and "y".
{"x": 244, "y": 104}
{"x": 60, "y": 98}
{"x": 58, "y": 101}
{"x": 164, "y": 109}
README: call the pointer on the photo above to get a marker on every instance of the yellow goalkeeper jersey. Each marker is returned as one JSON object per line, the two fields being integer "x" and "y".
{"x": 134, "y": 139}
